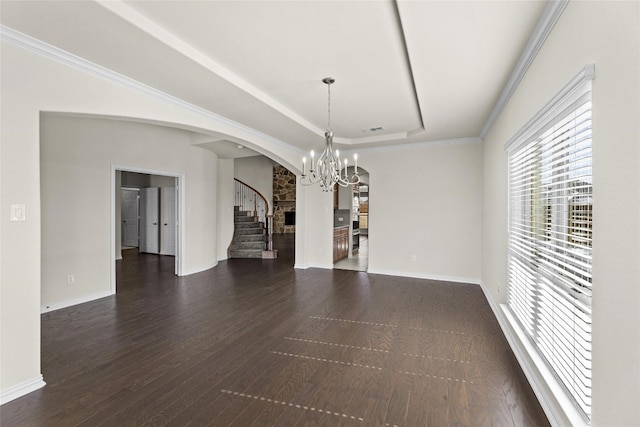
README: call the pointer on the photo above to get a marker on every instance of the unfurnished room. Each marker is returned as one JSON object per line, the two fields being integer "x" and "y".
{"x": 388, "y": 213}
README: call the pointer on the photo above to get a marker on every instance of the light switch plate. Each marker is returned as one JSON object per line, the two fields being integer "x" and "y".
{"x": 18, "y": 213}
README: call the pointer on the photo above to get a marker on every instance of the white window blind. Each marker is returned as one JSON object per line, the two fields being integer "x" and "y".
{"x": 550, "y": 244}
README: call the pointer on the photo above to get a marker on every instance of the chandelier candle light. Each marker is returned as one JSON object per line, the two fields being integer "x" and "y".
{"x": 329, "y": 168}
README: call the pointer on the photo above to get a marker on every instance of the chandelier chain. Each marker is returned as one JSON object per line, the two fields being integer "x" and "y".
{"x": 329, "y": 107}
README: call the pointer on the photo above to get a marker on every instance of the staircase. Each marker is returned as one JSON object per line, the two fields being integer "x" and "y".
{"x": 248, "y": 237}
{"x": 252, "y": 225}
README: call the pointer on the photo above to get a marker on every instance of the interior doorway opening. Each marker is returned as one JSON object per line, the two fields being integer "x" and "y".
{"x": 146, "y": 217}
{"x": 351, "y": 225}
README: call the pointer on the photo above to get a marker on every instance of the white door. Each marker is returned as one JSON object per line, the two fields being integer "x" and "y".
{"x": 168, "y": 220}
{"x": 149, "y": 219}
{"x": 129, "y": 206}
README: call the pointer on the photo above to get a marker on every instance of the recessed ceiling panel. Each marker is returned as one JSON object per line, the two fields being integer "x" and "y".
{"x": 462, "y": 53}
{"x": 285, "y": 48}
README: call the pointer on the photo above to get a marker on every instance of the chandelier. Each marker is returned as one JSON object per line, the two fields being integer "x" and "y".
{"x": 329, "y": 169}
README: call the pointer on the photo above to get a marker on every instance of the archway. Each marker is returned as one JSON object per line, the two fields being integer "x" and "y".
{"x": 351, "y": 237}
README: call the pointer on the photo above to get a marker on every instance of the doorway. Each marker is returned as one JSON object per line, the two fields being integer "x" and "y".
{"x": 146, "y": 216}
{"x": 353, "y": 202}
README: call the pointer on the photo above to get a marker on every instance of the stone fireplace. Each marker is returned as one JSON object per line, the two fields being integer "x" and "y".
{"x": 284, "y": 200}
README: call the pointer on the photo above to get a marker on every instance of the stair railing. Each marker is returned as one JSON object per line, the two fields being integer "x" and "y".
{"x": 249, "y": 199}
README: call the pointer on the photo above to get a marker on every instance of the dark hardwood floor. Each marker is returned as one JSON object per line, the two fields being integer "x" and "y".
{"x": 257, "y": 343}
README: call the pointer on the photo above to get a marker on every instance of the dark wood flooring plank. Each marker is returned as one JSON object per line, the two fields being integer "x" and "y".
{"x": 309, "y": 419}
{"x": 438, "y": 403}
{"x": 398, "y": 408}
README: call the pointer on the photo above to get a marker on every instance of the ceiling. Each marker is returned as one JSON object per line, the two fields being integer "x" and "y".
{"x": 423, "y": 71}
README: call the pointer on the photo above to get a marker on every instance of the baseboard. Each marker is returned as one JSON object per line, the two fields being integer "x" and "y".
{"x": 306, "y": 266}
{"x": 323, "y": 266}
{"x": 555, "y": 404}
{"x": 81, "y": 300}
{"x": 21, "y": 389}
{"x": 470, "y": 280}
{"x": 199, "y": 270}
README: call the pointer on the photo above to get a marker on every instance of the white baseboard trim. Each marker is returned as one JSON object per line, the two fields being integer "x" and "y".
{"x": 470, "y": 280}
{"x": 81, "y": 300}
{"x": 21, "y": 389}
{"x": 199, "y": 270}
{"x": 555, "y": 404}
{"x": 306, "y": 266}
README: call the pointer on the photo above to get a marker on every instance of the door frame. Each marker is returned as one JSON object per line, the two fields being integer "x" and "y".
{"x": 180, "y": 214}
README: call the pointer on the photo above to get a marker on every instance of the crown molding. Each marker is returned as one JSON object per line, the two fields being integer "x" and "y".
{"x": 543, "y": 28}
{"x": 59, "y": 55}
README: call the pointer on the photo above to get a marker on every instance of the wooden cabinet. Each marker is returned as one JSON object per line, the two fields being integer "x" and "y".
{"x": 340, "y": 243}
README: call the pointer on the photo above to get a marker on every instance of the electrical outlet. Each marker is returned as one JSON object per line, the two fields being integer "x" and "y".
{"x": 71, "y": 278}
{"x": 413, "y": 258}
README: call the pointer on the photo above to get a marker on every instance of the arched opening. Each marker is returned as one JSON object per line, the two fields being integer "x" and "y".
{"x": 81, "y": 152}
{"x": 351, "y": 225}
{"x": 274, "y": 184}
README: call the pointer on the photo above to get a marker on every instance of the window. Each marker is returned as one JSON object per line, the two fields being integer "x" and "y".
{"x": 550, "y": 235}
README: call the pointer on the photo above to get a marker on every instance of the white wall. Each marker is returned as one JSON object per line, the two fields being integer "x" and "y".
{"x": 426, "y": 202}
{"x": 608, "y": 35}
{"x": 256, "y": 172}
{"x": 76, "y": 157}
{"x": 225, "y": 225}
{"x": 314, "y": 227}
